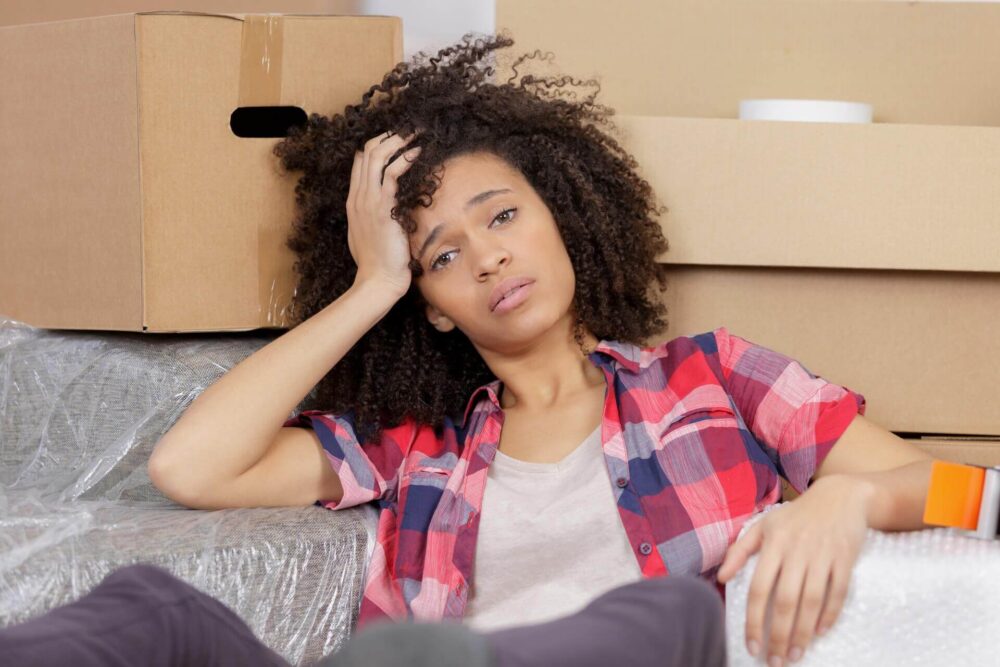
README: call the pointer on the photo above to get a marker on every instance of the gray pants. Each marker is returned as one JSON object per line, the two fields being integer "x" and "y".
{"x": 142, "y": 614}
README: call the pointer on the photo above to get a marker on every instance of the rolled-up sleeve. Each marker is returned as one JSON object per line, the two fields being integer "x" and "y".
{"x": 367, "y": 471}
{"x": 795, "y": 415}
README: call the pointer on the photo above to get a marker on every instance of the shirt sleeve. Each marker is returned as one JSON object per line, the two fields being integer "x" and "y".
{"x": 368, "y": 471}
{"x": 795, "y": 415}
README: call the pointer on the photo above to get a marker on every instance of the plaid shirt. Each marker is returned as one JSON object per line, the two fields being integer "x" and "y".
{"x": 695, "y": 431}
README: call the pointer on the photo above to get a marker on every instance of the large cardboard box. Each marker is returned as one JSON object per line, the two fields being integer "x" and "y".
{"x": 129, "y": 202}
{"x": 866, "y": 251}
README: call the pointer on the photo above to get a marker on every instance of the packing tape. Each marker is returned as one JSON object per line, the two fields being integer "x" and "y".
{"x": 828, "y": 111}
{"x": 260, "y": 60}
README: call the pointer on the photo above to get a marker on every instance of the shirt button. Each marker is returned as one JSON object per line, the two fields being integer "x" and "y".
{"x": 645, "y": 548}
{"x": 621, "y": 482}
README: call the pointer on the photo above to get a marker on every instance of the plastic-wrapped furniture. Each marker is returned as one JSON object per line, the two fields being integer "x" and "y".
{"x": 80, "y": 413}
{"x": 926, "y": 597}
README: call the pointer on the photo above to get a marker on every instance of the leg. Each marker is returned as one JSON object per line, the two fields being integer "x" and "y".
{"x": 138, "y": 615}
{"x": 664, "y": 621}
{"x": 413, "y": 644}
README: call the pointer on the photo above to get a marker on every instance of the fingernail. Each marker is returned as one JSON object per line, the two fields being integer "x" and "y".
{"x": 775, "y": 661}
{"x": 823, "y": 629}
{"x": 753, "y": 647}
{"x": 794, "y": 654}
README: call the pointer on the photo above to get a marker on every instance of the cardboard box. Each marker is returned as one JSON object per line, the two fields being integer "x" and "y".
{"x": 865, "y": 251}
{"x": 130, "y": 204}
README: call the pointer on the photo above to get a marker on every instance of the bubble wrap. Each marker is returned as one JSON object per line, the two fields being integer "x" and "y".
{"x": 927, "y": 597}
{"x": 80, "y": 413}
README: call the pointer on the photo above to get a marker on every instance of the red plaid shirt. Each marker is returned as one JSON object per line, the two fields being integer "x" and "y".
{"x": 695, "y": 431}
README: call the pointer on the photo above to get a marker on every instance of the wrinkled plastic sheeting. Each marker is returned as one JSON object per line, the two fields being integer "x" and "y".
{"x": 80, "y": 413}
{"x": 925, "y": 597}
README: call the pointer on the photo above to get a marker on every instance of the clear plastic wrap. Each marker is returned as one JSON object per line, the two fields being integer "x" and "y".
{"x": 926, "y": 597}
{"x": 80, "y": 413}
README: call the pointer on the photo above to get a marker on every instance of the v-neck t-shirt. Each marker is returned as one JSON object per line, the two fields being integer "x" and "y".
{"x": 550, "y": 539}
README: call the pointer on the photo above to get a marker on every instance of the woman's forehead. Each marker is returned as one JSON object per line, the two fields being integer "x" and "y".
{"x": 465, "y": 177}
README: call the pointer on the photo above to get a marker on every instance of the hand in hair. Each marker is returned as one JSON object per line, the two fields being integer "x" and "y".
{"x": 377, "y": 243}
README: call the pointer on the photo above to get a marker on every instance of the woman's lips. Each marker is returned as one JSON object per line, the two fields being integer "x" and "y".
{"x": 514, "y": 299}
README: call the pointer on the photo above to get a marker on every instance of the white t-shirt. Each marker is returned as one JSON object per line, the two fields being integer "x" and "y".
{"x": 550, "y": 539}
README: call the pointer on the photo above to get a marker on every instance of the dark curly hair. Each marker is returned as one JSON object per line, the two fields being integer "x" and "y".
{"x": 403, "y": 367}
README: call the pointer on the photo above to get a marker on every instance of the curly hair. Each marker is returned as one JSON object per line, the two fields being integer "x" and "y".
{"x": 402, "y": 367}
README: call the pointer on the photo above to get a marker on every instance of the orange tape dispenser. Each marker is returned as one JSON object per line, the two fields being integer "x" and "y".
{"x": 963, "y": 496}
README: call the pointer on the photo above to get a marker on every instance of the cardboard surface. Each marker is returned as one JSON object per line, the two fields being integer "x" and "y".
{"x": 836, "y": 195}
{"x": 918, "y": 344}
{"x": 13, "y": 12}
{"x": 134, "y": 206}
{"x": 915, "y": 62}
{"x": 70, "y": 220}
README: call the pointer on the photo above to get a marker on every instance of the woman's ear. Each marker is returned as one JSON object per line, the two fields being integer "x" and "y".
{"x": 439, "y": 320}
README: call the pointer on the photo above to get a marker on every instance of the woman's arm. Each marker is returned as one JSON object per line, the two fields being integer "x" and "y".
{"x": 232, "y": 424}
{"x": 897, "y": 472}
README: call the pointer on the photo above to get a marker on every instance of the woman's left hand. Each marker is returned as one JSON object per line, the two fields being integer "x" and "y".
{"x": 808, "y": 547}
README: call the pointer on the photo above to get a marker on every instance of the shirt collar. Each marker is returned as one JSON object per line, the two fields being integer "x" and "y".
{"x": 625, "y": 355}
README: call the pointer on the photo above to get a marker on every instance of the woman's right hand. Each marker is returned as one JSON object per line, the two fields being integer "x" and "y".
{"x": 379, "y": 244}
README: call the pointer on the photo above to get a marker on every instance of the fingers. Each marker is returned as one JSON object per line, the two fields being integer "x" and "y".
{"x": 738, "y": 553}
{"x": 352, "y": 193}
{"x": 377, "y": 151}
{"x": 840, "y": 579}
{"x": 400, "y": 165}
{"x": 786, "y": 603}
{"x": 367, "y": 179}
{"x": 761, "y": 584}
{"x": 816, "y": 580}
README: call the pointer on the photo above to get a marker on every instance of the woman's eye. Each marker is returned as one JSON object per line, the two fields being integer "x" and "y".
{"x": 434, "y": 264}
{"x": 505, "y": 214}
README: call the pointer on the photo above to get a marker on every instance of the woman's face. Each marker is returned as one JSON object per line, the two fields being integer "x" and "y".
{"x": 487, "y": 224}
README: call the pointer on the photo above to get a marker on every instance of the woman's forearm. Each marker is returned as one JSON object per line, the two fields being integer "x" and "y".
{"x": 898, "y": 495}
{"x": 230, "y": 425}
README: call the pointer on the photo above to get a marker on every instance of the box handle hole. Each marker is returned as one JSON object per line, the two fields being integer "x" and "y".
{"x": 265, "y": 121}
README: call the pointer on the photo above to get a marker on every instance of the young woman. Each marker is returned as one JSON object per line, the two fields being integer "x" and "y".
{"x": 475, "y": 263}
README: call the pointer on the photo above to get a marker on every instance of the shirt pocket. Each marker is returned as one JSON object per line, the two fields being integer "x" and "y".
{"x": 425, "y": 475}
{"x": 706, "y": 458}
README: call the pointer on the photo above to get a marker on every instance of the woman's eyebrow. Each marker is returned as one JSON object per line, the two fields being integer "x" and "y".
{"x": 478, "y": 199}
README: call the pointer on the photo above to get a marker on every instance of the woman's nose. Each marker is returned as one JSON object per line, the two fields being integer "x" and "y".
{"x": 489, "y": 255}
